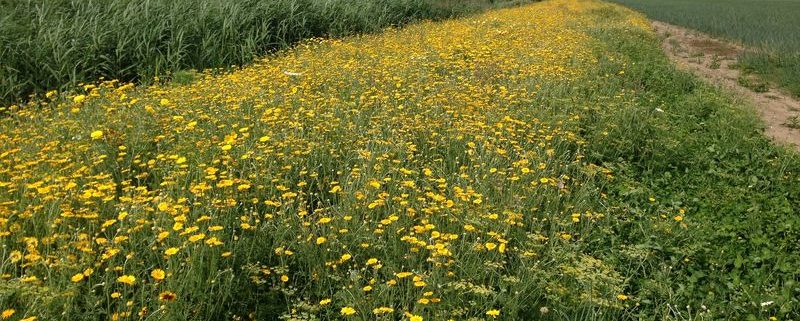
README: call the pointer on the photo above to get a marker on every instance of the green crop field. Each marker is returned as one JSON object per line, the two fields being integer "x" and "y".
{"x": 539, "y": 162}
{"x": 770, "y": 26}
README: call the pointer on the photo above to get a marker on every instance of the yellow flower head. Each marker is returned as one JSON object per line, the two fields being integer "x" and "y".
{"x": 127, "y": 279}
{"x": 167, "y": 296}
{"x": 97, "y": 134}
{"x": 158, "y": 274}
{"x": 7, "y": 313}
{"x": 77, "y": 277}
{"x": 347, "y": 311}
{"x": 382, "y": 310}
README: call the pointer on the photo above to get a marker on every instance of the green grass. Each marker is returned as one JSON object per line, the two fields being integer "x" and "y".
{"x": 704, "y": 153}
{"x": 55, "y": 44}
{"x": 770, "y": 26}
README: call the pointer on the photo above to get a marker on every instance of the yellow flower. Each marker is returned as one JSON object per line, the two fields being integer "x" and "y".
{"x": 347, "y": 311}
{"x": 321, "y": 240}
{"x": 79, "y": 99}
{"x": 116, "y": 295}
{"x": 284, "y": 278}
{"x": 197, "y": 237}
{"x": 622, "y": 297}
{"x": 414, "y": 318}
{"x": 164, "y": 102}
{"x": 30, "y": 279}
{"x": 158, "y": 274}
{"x": 214, "y": 241}
{"x": 678, "y": 218}
{"x": 77, "y": 277}
{"x": 382, "y": 310}
{"x": 7, "y": 313}
{"x": 171, "y": 251}
{"x": 493, "y": 313}
{"x": 127, "y": 279}
{"x": 325, "y": 302}
{"x": 162, "y": 236}
{"x": 375, "y": 184}
{"x": 167, "y": 296}
{"x": 97, "y": 134}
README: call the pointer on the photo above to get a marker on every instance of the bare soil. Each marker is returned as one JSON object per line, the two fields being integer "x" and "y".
{"x": 714, "y": 60}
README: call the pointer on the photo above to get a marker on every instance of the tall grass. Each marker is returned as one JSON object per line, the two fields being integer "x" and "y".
{"x": 52, "y": 43}
{"x": 771, "y": 26}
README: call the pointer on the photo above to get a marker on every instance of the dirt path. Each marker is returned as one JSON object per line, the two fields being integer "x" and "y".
{"x": 712, "y": 59}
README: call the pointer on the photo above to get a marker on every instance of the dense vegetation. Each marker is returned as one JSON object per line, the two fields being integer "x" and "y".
{"x": 539, "y": 163}
{"x": 47, "y": 44}
{"x": 770, "y": 26}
